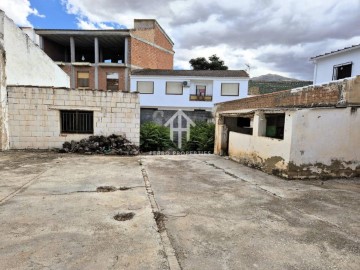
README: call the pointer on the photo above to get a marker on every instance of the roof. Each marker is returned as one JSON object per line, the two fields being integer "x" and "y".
{"x": 337, "y": 51}
{"x": 191, "y": 73}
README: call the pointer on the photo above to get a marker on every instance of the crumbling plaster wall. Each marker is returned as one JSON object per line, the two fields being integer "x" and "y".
{"x": 26, "y": 63}
{"x": 34, "y": 115}
{"x": 3, "y": 94}
{"x": 268, "y": 154}
{"x": 325, "y": 143}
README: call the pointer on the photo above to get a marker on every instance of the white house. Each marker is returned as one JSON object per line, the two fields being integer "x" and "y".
{"x": 189, "y": 89}
{"x": 179, "y": 98}
{"x": 337, "y": 65}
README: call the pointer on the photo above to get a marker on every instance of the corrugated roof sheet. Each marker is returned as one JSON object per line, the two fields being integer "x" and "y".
{"x": 190, "y": 73}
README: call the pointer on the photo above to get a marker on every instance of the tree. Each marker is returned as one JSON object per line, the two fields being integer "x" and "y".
{"x": 214, "y": 63}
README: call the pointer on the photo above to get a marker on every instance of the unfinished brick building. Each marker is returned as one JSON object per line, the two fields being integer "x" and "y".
{"x": 103, "y": 59}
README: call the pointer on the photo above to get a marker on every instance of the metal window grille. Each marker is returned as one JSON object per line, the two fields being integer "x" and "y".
{"x": 77, "y": 122}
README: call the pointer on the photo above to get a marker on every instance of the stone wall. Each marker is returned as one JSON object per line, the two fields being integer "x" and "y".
{"x": 34, "y": 115}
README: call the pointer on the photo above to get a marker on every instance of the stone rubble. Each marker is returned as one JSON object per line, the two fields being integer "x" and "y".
{"x": 111, "y": 145}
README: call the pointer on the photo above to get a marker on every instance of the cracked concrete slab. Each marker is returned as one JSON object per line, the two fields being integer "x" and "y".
{"x": 218, "y": 215}
{"x": 59, "y": 222}
{"x": 223, "y": 215}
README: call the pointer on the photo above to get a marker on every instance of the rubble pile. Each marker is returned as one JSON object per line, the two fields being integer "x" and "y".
{"x": 111, "y": 145}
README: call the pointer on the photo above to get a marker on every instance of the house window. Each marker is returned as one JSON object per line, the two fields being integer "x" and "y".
{"x": 174, "y": 88}
{"x": 201, "y": 90}
{"x": 342, "y": 71}
{"x": 230, "y": 89}
{"x": 112, "y": 81}
{"x": 145, "y": 87}
{"x": 75, "y": 121}
{"x": 275, "y": 125}
{"x": 83, "y": 79}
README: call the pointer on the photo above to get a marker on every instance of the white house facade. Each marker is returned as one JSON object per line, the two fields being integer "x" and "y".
{"x": 337, "y": 65}
{"x": 188, "y": 89}
{"x": 179, "y": 98}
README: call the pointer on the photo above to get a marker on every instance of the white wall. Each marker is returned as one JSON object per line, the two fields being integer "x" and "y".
{"x": 268, "y": 153}
{"x": 323, "y": 70}
{"x": 26, "y": 63}
{"x": 160, "y": 99}
{"x": 326, "y": 135}
{"x": 34, "y": 115}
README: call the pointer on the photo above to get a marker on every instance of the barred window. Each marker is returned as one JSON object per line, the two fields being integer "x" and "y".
{"x": 77, "y": 122}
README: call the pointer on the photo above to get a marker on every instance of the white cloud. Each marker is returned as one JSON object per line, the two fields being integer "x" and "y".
{"x": 19, "y": 11}
{"x": 271, "y": 35}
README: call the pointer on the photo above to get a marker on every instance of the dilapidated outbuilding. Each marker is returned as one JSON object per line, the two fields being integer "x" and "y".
{"x": 308, "y": 132}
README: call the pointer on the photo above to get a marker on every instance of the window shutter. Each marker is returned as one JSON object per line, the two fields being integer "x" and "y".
{"x": 145, "y": 87}
{"x": 230, "y": 89}
{"x": 174, "y": 88}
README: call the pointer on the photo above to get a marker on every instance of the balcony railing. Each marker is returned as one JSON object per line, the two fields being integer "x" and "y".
{"x": 200, "y": 98}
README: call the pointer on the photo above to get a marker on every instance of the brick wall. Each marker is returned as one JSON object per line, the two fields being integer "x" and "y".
{"x": 308, "y": 96}
{"x": 34, "y": 115}
{"x": 102, "y": 75}
{"x": 146, "y": 56}
{"x": 161, "y": 40}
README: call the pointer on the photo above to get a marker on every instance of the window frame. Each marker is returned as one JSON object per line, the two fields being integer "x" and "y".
{"x": 118, "y": 81}
{"x": 77, "y": 79}
{"x": 275, "y": 116}
{"x": 77, "y": 129}
{"x": 238, "y": 90}
{"x": 336, "y": 70}
{"x": 137, "y": 87}
{"x": 166, "y": 89}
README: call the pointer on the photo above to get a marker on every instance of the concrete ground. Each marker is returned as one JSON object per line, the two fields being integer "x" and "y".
{"x": 218, "y": 215}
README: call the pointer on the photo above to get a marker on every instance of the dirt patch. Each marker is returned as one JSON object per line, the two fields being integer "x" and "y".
{"x": 160, "y": 221}
{"x": 106, "y": 189}
{"x": 124, "y": 216}
{"x": 124, "y": 188}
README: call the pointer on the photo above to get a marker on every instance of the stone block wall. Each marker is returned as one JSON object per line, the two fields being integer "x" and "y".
{"x": 34, "y": 115}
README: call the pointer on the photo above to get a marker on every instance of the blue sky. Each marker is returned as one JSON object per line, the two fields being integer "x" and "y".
{"x": 270, "y": 36}
{"x": 55, "y": 15}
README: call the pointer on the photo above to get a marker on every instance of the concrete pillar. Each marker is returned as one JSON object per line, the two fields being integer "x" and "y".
{"x": 72, "y": 60}
{"x": 126, "y": 51}
{"x": 96, "y": 75}
{"x": 126, "y": 80}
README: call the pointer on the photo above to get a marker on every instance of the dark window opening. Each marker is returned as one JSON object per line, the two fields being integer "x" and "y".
{"x": 77, "y": 122}
{"x": 342, "y": 71}
{"x": 244, "y": 125}
{"x": 239, "y": 124}
{"x": 275, "y": 125}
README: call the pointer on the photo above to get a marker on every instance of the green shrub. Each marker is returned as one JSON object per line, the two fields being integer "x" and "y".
{"x": 154, "y": 137}
{"x": 202, "y": 137}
